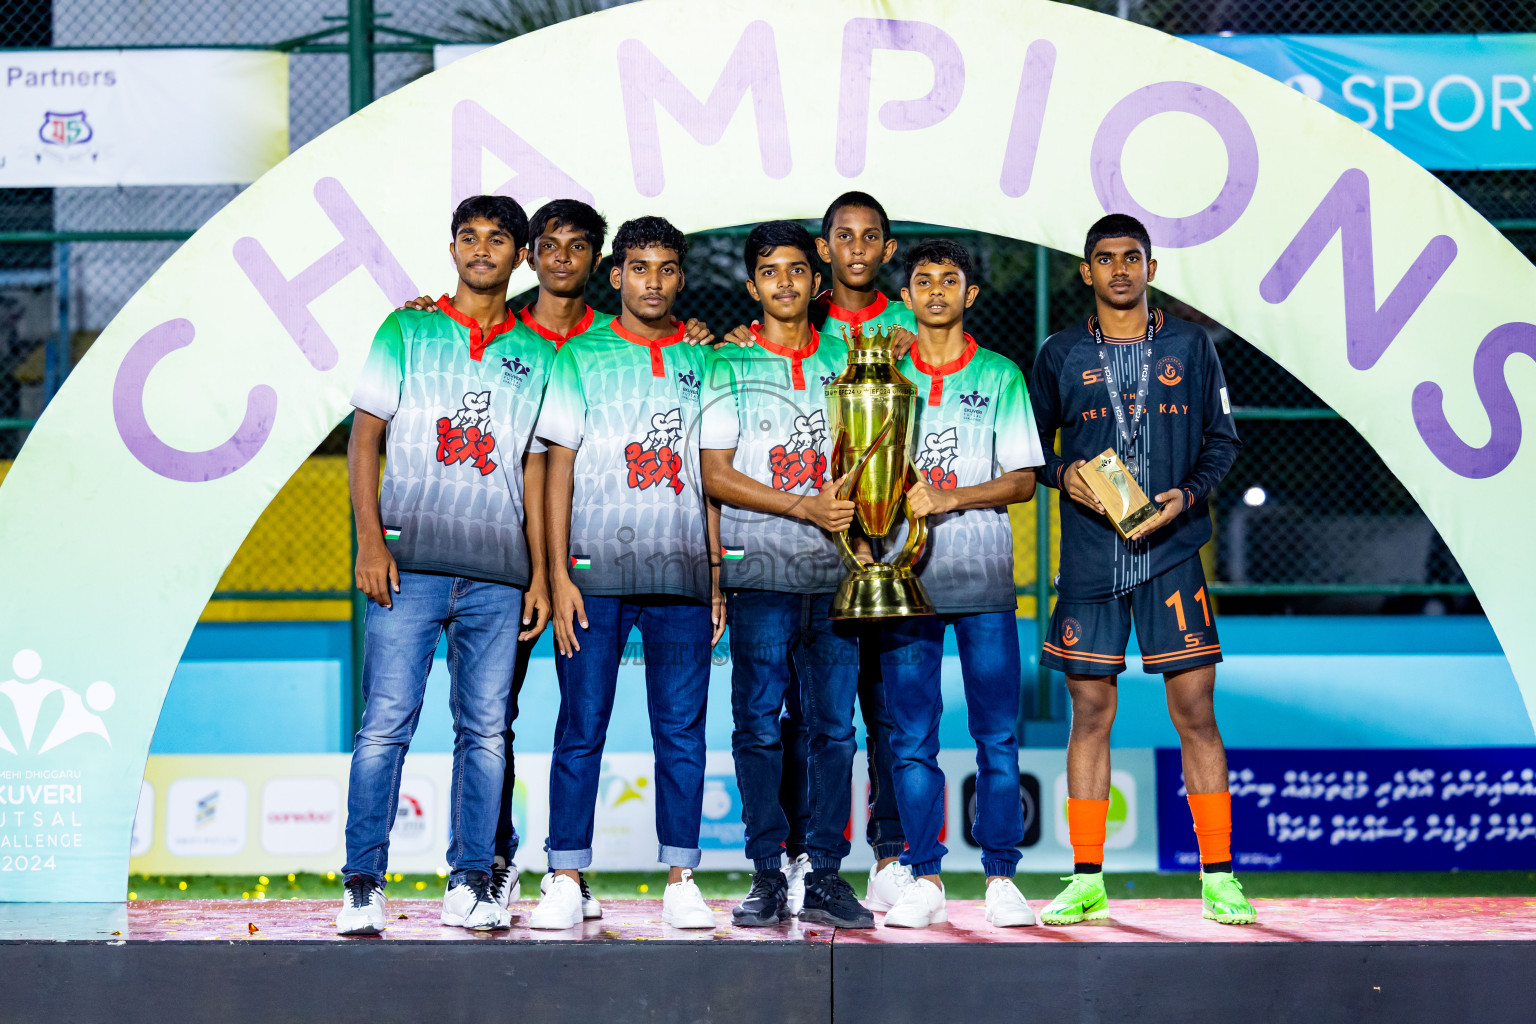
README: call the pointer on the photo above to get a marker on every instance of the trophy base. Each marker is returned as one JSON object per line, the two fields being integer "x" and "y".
{"x": 880, "y": 591}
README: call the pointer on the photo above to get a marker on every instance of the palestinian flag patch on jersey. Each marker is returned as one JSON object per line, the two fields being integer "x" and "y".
{"x": 577, "y": 562}
{"x": 391, "y": 533}
{"x": 733, "y": 554}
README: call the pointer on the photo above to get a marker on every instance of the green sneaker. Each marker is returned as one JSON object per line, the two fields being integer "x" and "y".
{"x": 1224, "y": 899}
{"x": 1084, "y": 899}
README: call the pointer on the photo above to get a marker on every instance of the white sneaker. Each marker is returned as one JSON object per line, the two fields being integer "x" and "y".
{"x": 506, "y": 885}
{"x": 683, "y": 906}
{"x": 591, "y": 910}
{"x": 921, "y": 904}
{"x": 362, "y": 908}
{"x": 472, "y": 905}
{"x": 885, "y": 886}
{"x": 796, "y": 872}
{"x": 559, "y": 903}
{"x": 1006, "y": 907}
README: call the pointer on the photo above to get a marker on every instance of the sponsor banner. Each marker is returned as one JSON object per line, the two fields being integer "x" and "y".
{"x": 252, "y": 814}
{"x": 1445, "y": 809}
{"x": 1447, "y": 102}
{"x": 141, "y": 117}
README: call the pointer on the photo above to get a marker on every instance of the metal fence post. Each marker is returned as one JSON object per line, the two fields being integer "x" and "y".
{"x": 360, "y": 82}
{"x": 1042, "y": 498}
{"x": 56, "y": 354}
{"x": 360, "y": 52}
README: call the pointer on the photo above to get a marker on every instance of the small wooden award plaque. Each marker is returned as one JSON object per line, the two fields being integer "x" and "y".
{"x": 1126, "y": 504}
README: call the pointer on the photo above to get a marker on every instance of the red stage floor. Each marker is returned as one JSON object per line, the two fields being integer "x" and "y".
{"x": 1497, "y": 919}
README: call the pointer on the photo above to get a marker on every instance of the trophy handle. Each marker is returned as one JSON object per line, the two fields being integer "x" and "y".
{"x": 917, "y": 527}
{"x": 844, "y": 548}
{"x": 857, "y": 471}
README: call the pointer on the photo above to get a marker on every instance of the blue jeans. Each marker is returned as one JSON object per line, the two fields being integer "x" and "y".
{"x": 783, "y": 644}
{"x": 676, "y": 636}
{"x": 482, "y": 621}
{"x": 507, "y": 839}
{"x": 911, "y": 655}
{"x": 882, "y": 830}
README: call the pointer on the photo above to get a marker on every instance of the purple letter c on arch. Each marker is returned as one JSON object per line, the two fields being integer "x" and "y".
{"x": 155, "y": 454}
{"x": 1212, "y": 108}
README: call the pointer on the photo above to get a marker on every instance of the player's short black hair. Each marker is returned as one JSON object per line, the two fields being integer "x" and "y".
{"x": 570, "y": 213}
{"x": 772, "y": 234}
{"x": 847, "y": 199}
{"x": 645, "y": 232}
{"x": 1116, "y": 225}
{"x": 937, "y": 250}
{"x": 504, "y": 210}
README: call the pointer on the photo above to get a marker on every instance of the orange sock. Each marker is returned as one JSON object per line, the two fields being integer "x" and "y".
{"x": 1213, "y": 826}
{"x": 1087, "y": 821}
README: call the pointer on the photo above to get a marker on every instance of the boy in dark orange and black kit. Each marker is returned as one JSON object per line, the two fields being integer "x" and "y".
{"x": 1149, "y": 386}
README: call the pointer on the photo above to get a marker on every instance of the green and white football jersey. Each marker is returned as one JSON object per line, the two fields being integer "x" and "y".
{"x": 836, "y": 322}
{"x": 461, "y": 410}
{"x": 628, "y": 405}
{"x": 770, "y": 405}
{"x": 973, "y": 424}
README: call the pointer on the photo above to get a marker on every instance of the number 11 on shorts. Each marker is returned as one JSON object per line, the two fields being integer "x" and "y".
{"x": 1176, "y": 602}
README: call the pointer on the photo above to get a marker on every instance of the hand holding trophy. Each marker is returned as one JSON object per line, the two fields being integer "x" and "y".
{"x": 1126, "y": 504}
{"x": 870, "y": 411}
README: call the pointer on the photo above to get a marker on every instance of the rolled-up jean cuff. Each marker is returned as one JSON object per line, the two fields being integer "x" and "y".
{"x": 887, "y": 850}
{"x": 998, "y": 868}
{"x": 930, "y": 867}
{"x": 675, "y": 856}
{"x": 570, "y": 860}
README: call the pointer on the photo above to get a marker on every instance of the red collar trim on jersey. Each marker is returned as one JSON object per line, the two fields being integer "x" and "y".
{"x": 526, "y": 315}
{"x": 851, "y": 317}
{"x": 1157, "y": 325}
{"x": 794, "y": 355}
{"x": 477, "y": 343}
{"x": 938, "y": 373}
{"x": 658, "y": 367}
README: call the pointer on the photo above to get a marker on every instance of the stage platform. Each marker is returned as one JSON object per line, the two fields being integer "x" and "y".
{"x": 1439, "y": 961}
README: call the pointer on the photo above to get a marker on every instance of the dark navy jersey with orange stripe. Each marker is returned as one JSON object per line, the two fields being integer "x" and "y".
{"x": 1186, "y": 439}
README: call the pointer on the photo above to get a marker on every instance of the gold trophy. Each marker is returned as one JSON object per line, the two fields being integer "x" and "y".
{"x": 870, "y": 413}
{"x": 1126, "y": 504}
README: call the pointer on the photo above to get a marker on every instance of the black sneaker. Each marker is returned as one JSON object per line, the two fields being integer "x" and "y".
{"x": 768, "y": 902}
{"x": 829, "y": 899}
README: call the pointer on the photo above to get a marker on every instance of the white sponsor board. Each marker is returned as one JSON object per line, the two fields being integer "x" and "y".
{"x": 141, "y": 117}
{"x": 301, "y": 817}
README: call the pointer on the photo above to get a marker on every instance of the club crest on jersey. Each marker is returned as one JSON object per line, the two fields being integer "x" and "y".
{"x": 688, "y": 385}
{"x": 654, "y": 460}
{"x": 936, "y": 462}
{"x": 466, "y": 435}
{"x": 1071, "y": 632}
{"x": 974, "y": 407}
{"x": 827, "y": 378}
{"x": 800, "y": 461}
{"x": 1169, "y": 371}
{"x": 514, "y": 371}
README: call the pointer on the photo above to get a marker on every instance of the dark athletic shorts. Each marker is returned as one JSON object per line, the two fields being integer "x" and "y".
{"x": 1174, "y": 627}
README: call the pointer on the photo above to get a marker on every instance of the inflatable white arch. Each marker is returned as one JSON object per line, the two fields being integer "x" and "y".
{"x": 1025, "y": 119}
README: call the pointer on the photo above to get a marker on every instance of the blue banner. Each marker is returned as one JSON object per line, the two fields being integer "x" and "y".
{"x": 1447, "y": 102}
{"x": 1472, "y": 809}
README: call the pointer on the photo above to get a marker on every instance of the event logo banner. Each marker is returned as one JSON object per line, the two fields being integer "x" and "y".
{"x": 1329, "y": 250}
{"x": 1447, "y": 102}
{"x": 1452, "y": 808}
{"x": 141, "y": 117}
